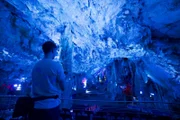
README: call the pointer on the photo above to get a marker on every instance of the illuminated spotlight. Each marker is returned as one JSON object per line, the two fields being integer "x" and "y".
{"x": 84, "y": 81}
{"x": 74, "y": 88}
{"x": 141, "y": 92}
{"x": 88, "y": 91}
{"x": 15, "y": 85}
{"x": 5, "y": 52}
{"x": 18, "y": 88}
{"x": 71, "y": 111}
{"x": 19, "y": 85}
{"x": 22, "y": 79}
{"x": 151, "y": 94}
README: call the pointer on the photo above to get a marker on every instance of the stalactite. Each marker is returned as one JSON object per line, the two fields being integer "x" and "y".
{"x": 66, "y": 58}
{"x": 66, "y": 50}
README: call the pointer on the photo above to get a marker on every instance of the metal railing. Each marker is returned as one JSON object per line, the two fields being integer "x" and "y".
{"x": 10, "y": 100}
{"x": 7, "y": 103}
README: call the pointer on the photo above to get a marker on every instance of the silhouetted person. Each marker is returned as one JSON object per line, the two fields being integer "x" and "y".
{"x": 47, "y": 80}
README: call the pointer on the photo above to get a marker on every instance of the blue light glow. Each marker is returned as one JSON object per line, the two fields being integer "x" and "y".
{"x": 17, "y": 87}
{"x": 95, "y": 39}
{"x": 87, "y": 91}
{"x": 84, "y": 81}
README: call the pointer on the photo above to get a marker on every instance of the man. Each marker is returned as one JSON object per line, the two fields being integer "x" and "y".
{"x": 47, "y": 77}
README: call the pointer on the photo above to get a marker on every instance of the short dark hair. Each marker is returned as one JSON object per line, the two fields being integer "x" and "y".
{"x": 48, "y": 46}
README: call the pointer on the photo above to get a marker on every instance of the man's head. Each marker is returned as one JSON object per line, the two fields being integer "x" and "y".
{"x": 50, "y": 48}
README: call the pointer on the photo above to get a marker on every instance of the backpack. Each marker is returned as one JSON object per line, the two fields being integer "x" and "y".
{"x": 25, "y": 105}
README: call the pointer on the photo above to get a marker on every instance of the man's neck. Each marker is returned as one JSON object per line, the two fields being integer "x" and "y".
{"x": 48, "y": 57}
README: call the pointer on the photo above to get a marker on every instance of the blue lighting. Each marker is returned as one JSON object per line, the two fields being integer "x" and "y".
{"x": 17, "y": 87}
{"x": 112, "y": 48}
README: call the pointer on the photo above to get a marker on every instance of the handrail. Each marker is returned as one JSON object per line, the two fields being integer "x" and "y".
{"x": 177, "y": 103}
{"x": 120, "y": 101}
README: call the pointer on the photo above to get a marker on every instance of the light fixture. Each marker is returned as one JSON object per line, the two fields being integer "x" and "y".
{"x": 88, "y": 91}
